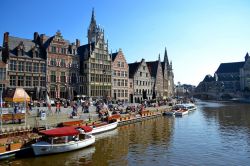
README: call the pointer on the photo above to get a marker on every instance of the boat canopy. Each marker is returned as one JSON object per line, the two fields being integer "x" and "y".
{"x": 86, "y": 128}
{"x": 60, "y": 132}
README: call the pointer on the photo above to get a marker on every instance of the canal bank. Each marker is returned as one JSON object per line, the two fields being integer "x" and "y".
{"x": 215, "y": 134}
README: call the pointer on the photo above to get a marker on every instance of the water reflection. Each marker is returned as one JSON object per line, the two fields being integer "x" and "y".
{"x": 79, "y": 157}
{"x": 233, "y": 123}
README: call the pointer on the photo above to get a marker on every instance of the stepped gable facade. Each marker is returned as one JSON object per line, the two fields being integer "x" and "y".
{"x": 120, "y": 77}
{"x": 142, "y": 82}
{"x": 62, "y": 66}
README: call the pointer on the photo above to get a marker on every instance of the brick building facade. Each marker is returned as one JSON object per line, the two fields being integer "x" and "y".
{"x": 62, "y": 66}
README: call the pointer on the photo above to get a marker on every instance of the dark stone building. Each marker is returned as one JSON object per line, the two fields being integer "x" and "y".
{"x": 95, "y": 63}
{"x": 230, "y": 80}
{"x": 25, "y": 61}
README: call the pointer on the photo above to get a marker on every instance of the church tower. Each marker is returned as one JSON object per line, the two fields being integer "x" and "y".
{"x": 168, "y": 76}
{"x": 95, "y": 57}
{"x": 95, "y": 33}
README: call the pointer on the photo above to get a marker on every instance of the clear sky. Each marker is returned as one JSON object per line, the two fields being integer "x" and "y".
{"x": 198, "y": 34}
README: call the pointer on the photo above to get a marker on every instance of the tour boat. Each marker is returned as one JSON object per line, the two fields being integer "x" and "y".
{"x": 103, "y": 127}
{"x": 63, "y": 139}
{"x": 181, "y": 112}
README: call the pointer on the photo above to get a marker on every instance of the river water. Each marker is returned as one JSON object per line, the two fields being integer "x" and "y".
{"x": 214, "y": 134}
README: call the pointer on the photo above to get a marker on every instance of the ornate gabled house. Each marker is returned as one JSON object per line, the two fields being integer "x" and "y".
{"x": 120, "y": 78}
{"x": 142, "y": 82}
{"x": 155, "y": 70}
{"x": 95, "y": 63}
{"x": 25, "y": 65}
{"x": 62, "y": 66}
{"x": 168, "y": 77}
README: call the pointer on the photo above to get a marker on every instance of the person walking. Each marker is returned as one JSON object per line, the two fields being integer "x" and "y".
{"x": 58, "y": 109}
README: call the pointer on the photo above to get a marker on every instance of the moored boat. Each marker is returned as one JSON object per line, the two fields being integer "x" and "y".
{"x": 181, "y": 112}
{"x": 169, "y": 113}
{"x": 190, "y": 106}
{"x": 97, "y": 127}
{"x": 62, "y": 139}
{"x": 103, "y": 127}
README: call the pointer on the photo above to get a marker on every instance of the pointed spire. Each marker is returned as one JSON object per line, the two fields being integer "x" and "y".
{"x": 166, "y": 57}
{"x": 93, "y": 15}
{"x": 247, "y": 56}
{"x": 159, "y": 58}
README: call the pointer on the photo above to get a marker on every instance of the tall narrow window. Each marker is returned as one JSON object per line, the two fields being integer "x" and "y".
{"x": 20, "y": 81}
{"x": 28, "y": 66}
{"x": 63, "y": 78}
{"x": 53, "y": 49}
{"x": 35, "y": 81}
{"x": 12, "y": 80}
{"x": 28, "y": 81}
{"x": 12, "y": 65}
{"x": 53, "y": 76}
{"x": 2, "y": 73}
{"x": 35, "y": 67}
{"x": 20, "y": 66}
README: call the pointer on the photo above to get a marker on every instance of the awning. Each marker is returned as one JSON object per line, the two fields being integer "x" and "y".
{"x": 59, "y": 132}
{"x": 18, "y": 95}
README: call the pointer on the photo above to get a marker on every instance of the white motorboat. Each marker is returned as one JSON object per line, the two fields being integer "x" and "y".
{"x": 103, "y": 127}
{"x": 181, "y": 112}
{"x": 62, "y": 139}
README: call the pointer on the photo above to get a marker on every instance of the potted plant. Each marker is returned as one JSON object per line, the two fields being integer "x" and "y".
{"x": 2, "y": 148}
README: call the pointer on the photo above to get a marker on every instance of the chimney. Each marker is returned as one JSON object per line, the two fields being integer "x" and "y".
{"x": 35, "y": 37}
{"x": 77, "y": 43}
{"x": 6, "y": 38}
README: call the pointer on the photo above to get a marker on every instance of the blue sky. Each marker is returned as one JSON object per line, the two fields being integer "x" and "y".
{"x": 198, "y": 34}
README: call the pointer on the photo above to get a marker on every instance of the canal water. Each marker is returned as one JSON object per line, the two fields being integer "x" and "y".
{"x": 214, "y": 134}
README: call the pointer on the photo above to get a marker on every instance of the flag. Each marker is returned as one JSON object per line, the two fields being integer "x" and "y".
{"x": 48, "y": 101}
{"x": 1, "y": 99}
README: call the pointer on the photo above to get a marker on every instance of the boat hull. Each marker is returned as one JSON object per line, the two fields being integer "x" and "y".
{"x": 181, "y": 113}
{"x": 104, "y": 128}
{"x": 169, "y": 113}
{"x": 44, "y": 148}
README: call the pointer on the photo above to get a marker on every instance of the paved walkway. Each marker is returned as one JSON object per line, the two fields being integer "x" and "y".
{"x": 53, "y": 118}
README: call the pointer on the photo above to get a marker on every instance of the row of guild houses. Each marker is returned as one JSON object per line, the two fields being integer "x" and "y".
{"x": 230, "y": 80}
{"x": 64, "y": 70}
